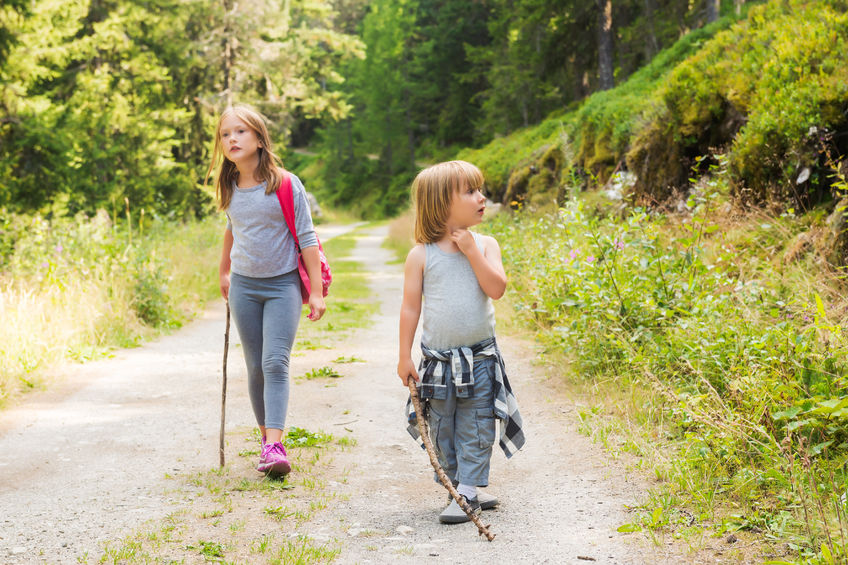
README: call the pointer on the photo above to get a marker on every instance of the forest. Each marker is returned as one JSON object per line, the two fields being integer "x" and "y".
{"x": 674, "y": 176}
{"x": 107, "y": 100}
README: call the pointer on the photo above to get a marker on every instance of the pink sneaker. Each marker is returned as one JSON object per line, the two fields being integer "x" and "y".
{"x": 273, "y": 459}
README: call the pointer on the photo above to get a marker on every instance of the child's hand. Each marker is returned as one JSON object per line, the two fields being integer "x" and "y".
{"x": 464, "y": 240}
{"x": 406, "y": 370}
{"x": 317, "y": 307}
{"x": 225, "y": 286}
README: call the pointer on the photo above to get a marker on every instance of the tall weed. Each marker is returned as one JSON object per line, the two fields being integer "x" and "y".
{"x": 739, "y": 360}
{"x": 71, "y": 288}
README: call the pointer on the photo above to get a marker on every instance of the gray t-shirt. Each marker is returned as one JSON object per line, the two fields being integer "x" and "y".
{"x": 262, "y": 244}
{"x": 456, "y": 311}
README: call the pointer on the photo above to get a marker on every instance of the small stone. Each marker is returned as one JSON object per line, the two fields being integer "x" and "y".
{"x": 18, "y": 550}
{"x": 404, "y": 530}
{"x": 731, "y": 539}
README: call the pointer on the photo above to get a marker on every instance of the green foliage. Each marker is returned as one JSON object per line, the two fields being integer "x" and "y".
{"x": 322, "y": 373}
{"x": 300, "y": 437}
{"x": 742, "y": 365}
{"x": 107, "y": 103}
{"x": 760, "y": 90}
{"x": 590, "y": 140}
{"x": 72, "y": 288}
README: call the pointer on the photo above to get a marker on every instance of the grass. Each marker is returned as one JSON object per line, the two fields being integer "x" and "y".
{"x": 349, "y": 302}
{"x": 75, "y": 289}
{"x": 322, "y": 373}
{"x": 400, "y": 239}
{"x": 224, "y": 509}
{"x": 702, "y": 349}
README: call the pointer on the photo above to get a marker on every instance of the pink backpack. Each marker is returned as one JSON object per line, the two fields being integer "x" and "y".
{"x": 286, "y": 198}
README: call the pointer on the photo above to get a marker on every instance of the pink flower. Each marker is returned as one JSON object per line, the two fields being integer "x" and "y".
{"x": 59, "y": 248}
{"x": 590, "y": 259}
{"x": 573, "y": 255}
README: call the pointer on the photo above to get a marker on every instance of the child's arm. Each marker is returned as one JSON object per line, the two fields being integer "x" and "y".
{"x": 224, "y": 267}
{"x": 410, "y": 311}
{"x": 487, "y": 265}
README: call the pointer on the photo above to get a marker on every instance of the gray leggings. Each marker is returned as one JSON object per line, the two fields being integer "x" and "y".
{"x": 266, "y": 312}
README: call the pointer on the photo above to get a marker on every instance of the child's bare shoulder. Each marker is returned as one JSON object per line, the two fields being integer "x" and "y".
{"x": 416, "y": 255}
{"x": 488, "y": 241}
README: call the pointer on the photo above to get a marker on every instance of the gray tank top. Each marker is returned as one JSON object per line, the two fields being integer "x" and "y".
{"x": 456, "y": 311}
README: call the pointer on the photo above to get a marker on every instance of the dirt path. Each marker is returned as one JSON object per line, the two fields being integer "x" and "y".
{"x": 90, "y": 463}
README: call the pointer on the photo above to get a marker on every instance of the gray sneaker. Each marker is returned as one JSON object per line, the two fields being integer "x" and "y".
{"x": 453, "y": 514}
{"x": 486, "y": 500}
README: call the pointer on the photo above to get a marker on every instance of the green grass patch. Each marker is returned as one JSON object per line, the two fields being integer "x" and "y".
{"x": 299, "y": 437}
{"x": 348, "y": 359}
{"x": 349, "y": 302}
{"x": 224, "y": 508}
{"x": 322, "y": 373}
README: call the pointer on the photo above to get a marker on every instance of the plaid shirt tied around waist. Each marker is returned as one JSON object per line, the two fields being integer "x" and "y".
{"x": 461, "y": 361}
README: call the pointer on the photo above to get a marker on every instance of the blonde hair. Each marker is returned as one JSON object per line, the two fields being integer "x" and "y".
{"x": 268, "y": 169}
{"x": 432, "y": 193}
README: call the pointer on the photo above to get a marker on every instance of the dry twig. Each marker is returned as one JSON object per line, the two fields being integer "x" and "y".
{"x": 224, "y": 388}
{"x": 428, "y": 445}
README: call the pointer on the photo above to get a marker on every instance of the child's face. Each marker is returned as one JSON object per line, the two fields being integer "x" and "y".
{"x": 238, "y": 140}
{"x": 467, "y": 208}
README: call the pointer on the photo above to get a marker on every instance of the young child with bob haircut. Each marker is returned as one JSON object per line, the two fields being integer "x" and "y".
{"x": 451, "y": 276}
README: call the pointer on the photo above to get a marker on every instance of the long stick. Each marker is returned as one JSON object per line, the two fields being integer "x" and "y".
{"x": 428, "y": 445}
{"x": 224, "y": 387}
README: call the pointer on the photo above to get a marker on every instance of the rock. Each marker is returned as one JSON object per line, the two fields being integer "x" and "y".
{"x": 404, "y": 530}
{"x": 18, "y": 550}
{"x": 731, "y": 539}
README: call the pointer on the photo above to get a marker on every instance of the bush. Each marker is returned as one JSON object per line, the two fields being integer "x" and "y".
{"x": 73, "y": 287}
{"x": 755, "y": 90}
{"x": 740, "y": 361}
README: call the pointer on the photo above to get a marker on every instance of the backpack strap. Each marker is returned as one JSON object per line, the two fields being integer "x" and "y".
{"x": 286, "y": 197}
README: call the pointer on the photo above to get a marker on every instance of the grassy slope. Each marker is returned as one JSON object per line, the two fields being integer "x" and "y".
{"x": 751, "y": 88}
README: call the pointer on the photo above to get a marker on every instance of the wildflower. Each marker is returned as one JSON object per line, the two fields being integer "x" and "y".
{"x": 59, "y": 249}
{"x": 590, "y": 259}
{"x": 618, "y": 244}
{"x": 573, "y": 255}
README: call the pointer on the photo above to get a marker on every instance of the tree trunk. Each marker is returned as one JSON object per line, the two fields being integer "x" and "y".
{"x": 605, "y": 71}
{"x": 387, "y": 149}
{"x": 738, "y": 5}
{"x": 713, "y": 10}
{"x": 410, "y": 132}
{"x": 652, "y": 46}
{"x": 228, "y": 48}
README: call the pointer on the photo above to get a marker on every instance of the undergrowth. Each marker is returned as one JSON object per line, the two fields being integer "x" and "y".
{"x": 75, "y": 287}
{"x": 728, "y": 352}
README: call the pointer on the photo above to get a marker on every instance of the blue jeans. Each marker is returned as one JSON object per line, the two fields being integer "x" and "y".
{"x": 266, "y": 312}
{"x": 463, "y": 429}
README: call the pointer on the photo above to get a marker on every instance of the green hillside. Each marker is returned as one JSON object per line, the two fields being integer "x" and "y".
{"x": 765, "y": 93}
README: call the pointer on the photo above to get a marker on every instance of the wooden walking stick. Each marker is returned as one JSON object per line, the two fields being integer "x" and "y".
{"x": 224, "y": 386}
{"x": 428, "y": 445}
